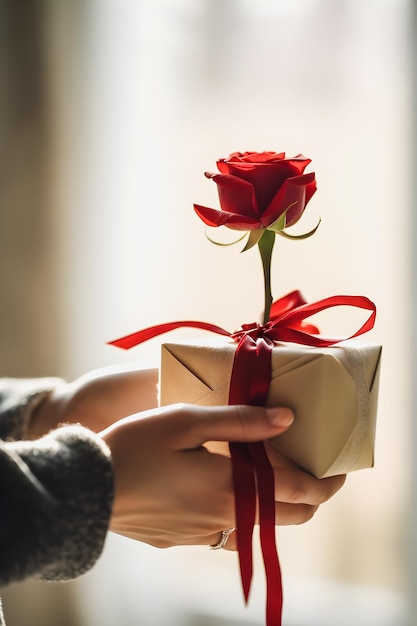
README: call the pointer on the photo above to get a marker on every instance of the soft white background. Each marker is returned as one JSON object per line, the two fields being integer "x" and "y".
{"x": 144, "y": 97}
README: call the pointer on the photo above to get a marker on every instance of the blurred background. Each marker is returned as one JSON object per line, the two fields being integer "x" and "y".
{"x": 110, "y": 112}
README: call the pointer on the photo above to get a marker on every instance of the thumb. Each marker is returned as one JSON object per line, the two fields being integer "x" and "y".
{"x": 239, "y": 423}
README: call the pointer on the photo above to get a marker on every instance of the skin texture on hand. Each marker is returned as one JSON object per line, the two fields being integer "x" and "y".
{"x": 170, "y": 488}
{"x": 96, "y": 400}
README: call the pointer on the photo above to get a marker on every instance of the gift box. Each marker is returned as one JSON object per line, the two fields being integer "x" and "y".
{"x": 333, "y": 392}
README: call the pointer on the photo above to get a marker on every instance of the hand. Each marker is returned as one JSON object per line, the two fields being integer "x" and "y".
{"x": 96, "y": 400}
{"x": 170, "y": 490}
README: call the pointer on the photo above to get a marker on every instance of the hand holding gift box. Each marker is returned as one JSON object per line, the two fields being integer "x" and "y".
{"x": 347, "y": 385}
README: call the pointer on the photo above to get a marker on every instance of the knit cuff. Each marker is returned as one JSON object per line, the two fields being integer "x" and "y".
{"x": 18, "y": 399}
{"x": 57, "y": 505}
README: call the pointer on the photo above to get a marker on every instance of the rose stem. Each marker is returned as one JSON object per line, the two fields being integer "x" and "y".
{"x": 266, "y": 244}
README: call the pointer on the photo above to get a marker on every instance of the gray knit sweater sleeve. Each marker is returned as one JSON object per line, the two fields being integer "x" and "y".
{"x": 56, "y": 493}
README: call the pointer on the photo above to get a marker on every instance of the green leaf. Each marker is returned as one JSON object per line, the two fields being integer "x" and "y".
{"x": 254, "y": 237}
{"x": 283, "y": 233}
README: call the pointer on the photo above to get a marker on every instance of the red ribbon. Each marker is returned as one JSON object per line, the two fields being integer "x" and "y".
{"x": 253, "y": 477}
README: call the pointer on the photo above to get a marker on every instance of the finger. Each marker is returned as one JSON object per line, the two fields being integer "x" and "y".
{"x": 298, "y": 487}
{"x": 285, "y": 515}
{"x": 293, "y": 514}
{"x": 235, "y": 423}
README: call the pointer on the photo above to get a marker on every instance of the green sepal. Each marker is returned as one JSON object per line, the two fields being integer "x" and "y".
{"x": 231, "y": 243}
{"x": 254, "y": 237}
{"x": 283, "y": 233}
{"x": 279, "y": 225}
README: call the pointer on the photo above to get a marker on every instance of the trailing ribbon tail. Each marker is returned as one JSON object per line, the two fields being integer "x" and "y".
{"x": 254, "y": 482}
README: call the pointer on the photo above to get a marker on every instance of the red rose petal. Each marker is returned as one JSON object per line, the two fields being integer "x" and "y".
{"x": 236, "y": 195}
{"x": 266, "y": 178}
{"x": 213, "y": 217}
{"x": 295, "y": 191}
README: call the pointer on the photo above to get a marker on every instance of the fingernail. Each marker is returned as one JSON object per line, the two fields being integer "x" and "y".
{"x": 280, "y": 416}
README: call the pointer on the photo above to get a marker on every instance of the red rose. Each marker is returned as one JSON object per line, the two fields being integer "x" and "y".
{"x": 258, "y": 190}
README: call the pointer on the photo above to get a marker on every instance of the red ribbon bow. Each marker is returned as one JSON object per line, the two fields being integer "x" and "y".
{"x": 253, "y": 477}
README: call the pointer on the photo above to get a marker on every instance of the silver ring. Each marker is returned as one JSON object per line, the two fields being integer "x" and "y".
{"x": 223, "y": 540}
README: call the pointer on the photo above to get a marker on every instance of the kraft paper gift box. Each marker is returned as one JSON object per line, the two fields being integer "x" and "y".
{"x": 332, "y": 391}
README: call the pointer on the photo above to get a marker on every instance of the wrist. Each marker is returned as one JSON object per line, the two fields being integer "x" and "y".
{"x": 44, "y": 416}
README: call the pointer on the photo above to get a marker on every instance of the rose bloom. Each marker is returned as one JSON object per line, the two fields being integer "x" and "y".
{"x": 256, "y": 189}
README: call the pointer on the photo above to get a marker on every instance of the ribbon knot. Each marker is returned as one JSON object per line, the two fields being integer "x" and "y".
{"x": 254, "y": 331}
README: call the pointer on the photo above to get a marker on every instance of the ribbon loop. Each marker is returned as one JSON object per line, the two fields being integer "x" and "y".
{"x": 292, "y": 317}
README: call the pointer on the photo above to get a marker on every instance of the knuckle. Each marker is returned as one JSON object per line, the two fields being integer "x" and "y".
{"x": 181, "y": 409}
{"x": 183, "y": 416}
{"x": 306, "y": 512}
{"x": 244, "y": 416}
{"x": 330, "y": 487}
{"x": 298, "y": 493}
